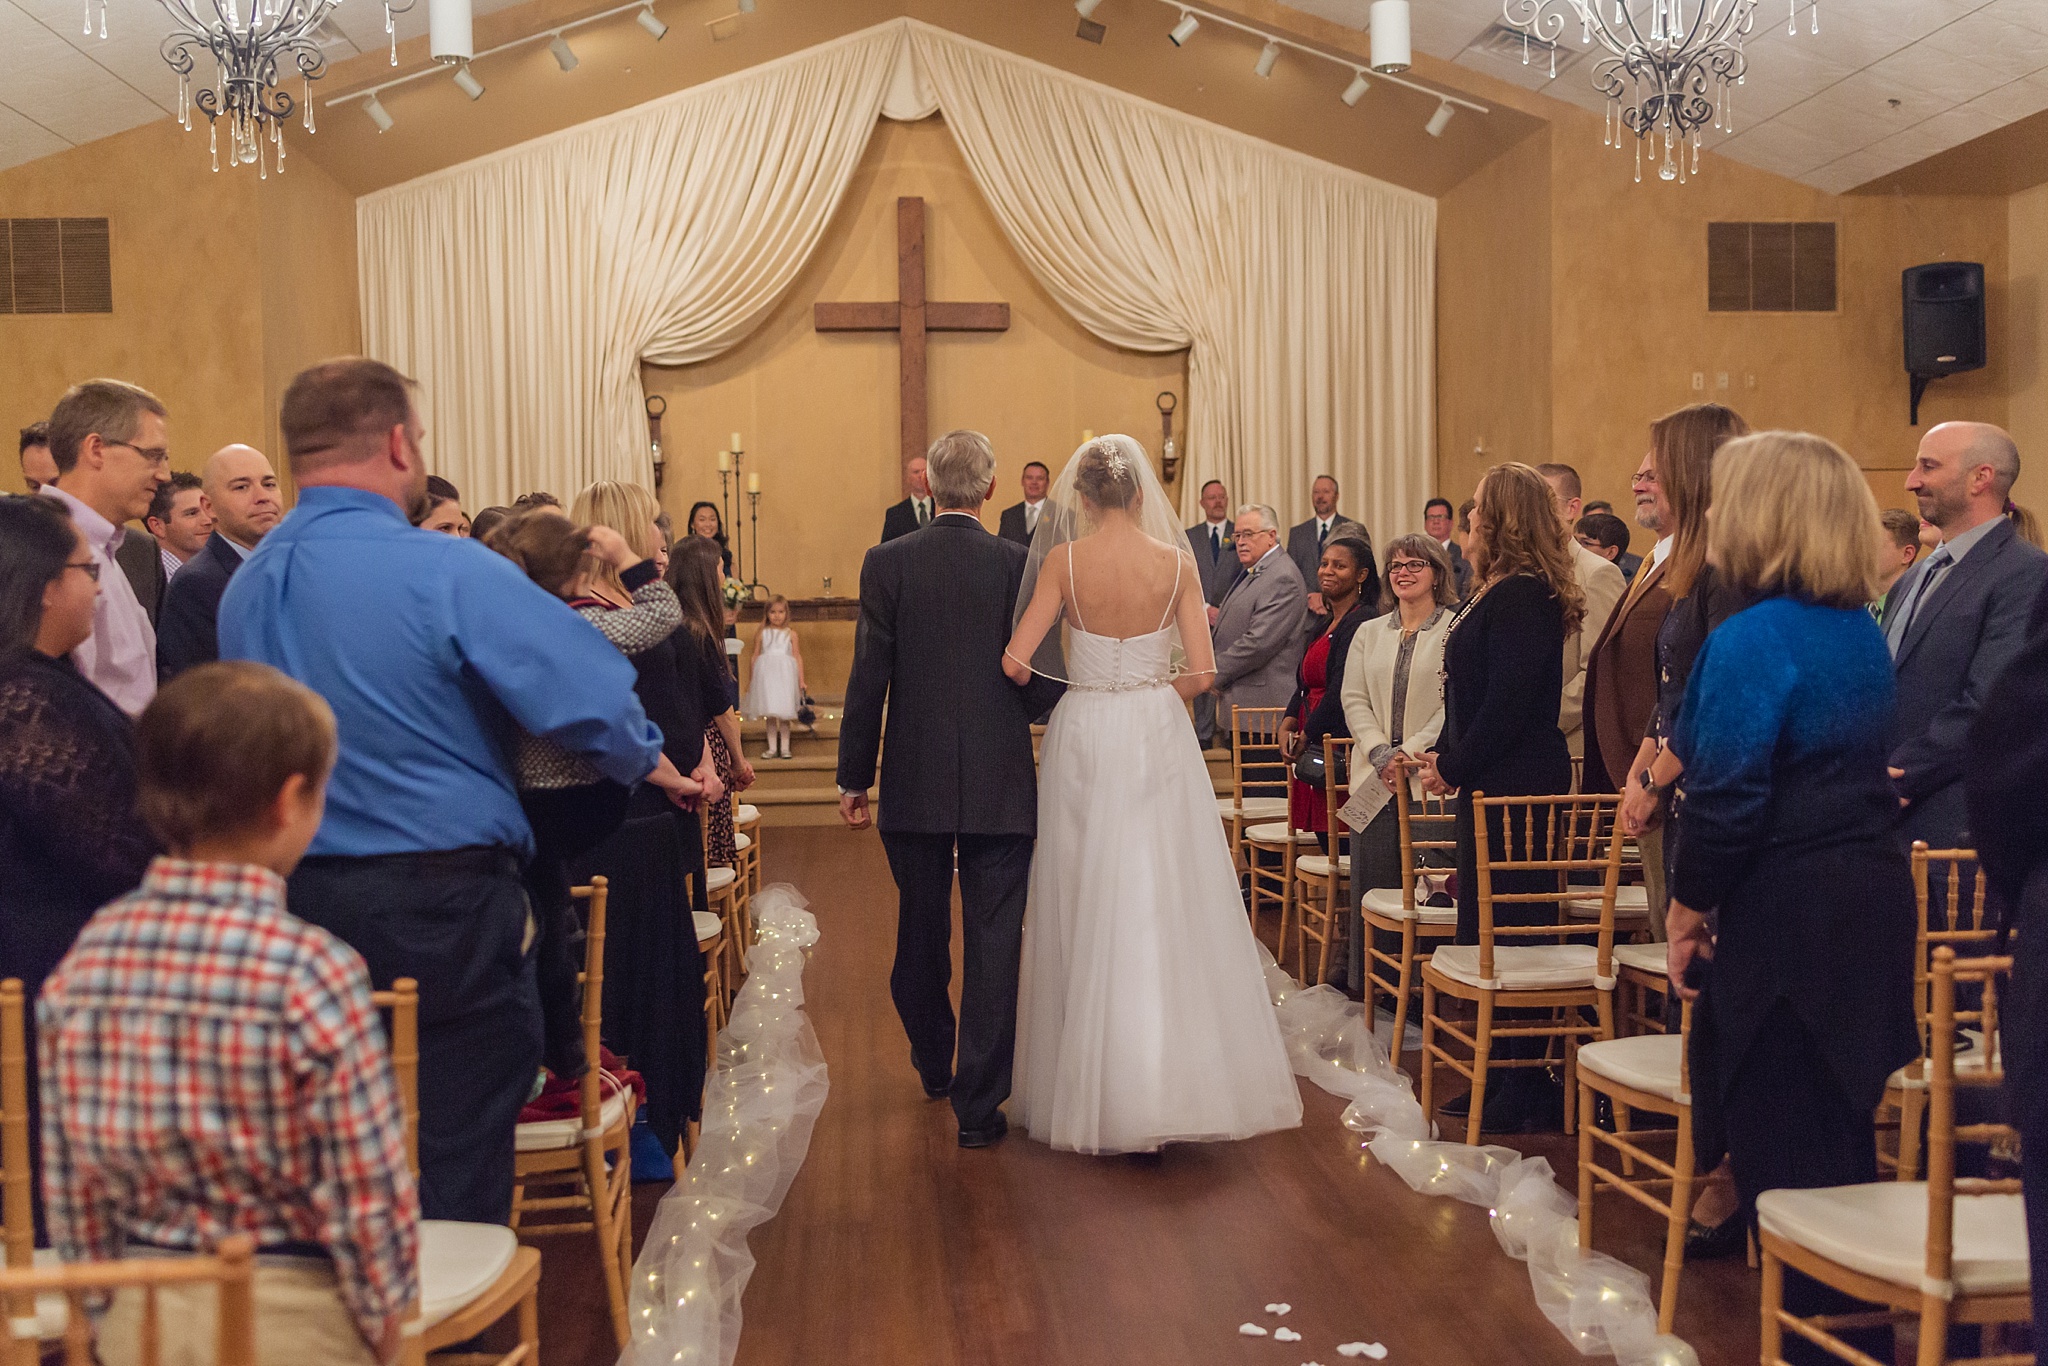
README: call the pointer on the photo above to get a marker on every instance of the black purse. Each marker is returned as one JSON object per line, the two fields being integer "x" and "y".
{"x": 1312, "y": 764}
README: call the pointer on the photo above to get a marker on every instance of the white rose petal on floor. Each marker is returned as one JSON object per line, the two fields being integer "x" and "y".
{"x": 1286, "y": 1335}
{"x": 1282, "y": 1309}
{"x": 1251, "y": 1330}
{"x": 759, "y": 1109}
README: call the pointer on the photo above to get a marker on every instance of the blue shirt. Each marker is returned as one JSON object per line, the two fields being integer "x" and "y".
{"x": 430, "y": 649}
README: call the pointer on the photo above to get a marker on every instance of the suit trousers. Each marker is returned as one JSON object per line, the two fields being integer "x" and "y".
{"x": 995, "y": 877}
{"x": 458, "y": 923}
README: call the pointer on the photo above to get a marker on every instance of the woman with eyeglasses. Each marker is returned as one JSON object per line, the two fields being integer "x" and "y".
{"x": 71, "y": 839}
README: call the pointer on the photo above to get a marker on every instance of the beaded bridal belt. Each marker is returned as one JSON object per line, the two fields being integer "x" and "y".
{"x": 1134, "y": 685}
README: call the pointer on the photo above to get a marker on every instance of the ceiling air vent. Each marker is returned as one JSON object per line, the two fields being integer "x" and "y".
{"x": 1505, "y": 42}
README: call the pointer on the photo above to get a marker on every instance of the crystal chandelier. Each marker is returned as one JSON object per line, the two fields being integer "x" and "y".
{"x": 1667, "y": 72}
{"x": 252, "y": 55}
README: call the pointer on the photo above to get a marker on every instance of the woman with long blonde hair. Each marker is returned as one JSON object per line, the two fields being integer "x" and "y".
{"x": 1503, "y": 686}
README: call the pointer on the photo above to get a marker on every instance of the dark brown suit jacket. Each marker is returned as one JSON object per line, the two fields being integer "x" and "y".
{"x": 1621, "y": 681}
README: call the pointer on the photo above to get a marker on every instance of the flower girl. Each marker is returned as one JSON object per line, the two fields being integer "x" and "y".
{"x": 776, "y": 686}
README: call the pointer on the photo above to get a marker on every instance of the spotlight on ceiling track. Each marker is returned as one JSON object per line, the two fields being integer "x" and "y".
{"x": 1269, "y": 57}
{"x": 379, "y": 115}
{"x": 565, "y": 56}
{"x": 746, "y": 6}
{"x": 647, "y": 20}
{"x": 468, "y": 84}
{"x": 1355, "y": 91}
{"x": 1086, "y": 8}
{"x": 1439, "y": 121}
{"x": 1390, "y": 48}
{"x": 1185, "y": 29}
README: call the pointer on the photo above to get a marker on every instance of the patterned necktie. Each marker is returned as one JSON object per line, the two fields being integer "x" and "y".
{"x": 1936, "y": 562}
{"x": 1216, "y": 541}
{"x": 924, "y": 516}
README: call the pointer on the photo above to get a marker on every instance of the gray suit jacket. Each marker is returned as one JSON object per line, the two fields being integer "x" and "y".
{"x": 1957, "y": 644}
{"x": 1260, "y": 637}
{"x": 1306, "y": 551}
{"x": 1220, "y": 573}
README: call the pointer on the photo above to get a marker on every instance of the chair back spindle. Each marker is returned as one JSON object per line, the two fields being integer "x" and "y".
{"x": 1559, "y": 836}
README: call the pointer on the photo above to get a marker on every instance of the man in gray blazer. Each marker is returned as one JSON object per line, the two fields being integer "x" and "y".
{"x": 1260, "y": 634}
{"x": 1305, "y": 542}
{"x": 1957, "y": 619}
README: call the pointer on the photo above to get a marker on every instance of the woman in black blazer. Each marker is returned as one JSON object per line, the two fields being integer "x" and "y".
{"x": 1350, "y": 588}
{"x": 1503, "y": 684}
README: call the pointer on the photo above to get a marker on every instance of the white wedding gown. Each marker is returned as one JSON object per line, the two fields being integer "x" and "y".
{"x": 1143, "y": 1016}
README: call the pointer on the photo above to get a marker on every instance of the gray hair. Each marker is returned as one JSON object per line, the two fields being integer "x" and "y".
{"x": 1271, "y": 517}
{"x": 960, "y": 466}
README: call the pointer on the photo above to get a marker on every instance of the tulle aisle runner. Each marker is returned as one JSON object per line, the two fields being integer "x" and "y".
{"x": 763, "y": 1099}
{"x": 1602, "y": 1306}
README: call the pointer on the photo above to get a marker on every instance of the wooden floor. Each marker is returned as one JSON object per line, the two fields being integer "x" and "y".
{"x": 897, "y": 1247}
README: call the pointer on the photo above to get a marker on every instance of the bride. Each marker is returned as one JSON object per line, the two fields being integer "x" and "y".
{"x": 1143, "y": 1017}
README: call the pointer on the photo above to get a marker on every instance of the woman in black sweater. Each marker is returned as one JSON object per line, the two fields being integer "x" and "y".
{"x": 1503, "y": 684}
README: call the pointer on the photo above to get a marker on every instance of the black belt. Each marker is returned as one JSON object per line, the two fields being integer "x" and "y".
{"x": 472, "y": 859}
{"x": 283, "y": 1249}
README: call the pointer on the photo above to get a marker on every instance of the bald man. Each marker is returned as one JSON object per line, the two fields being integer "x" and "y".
{"x": 1955, "y": 619}
{"x": 238, "y": 489}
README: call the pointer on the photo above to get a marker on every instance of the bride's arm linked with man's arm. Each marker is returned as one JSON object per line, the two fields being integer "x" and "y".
{"x": 1191, "y": 614}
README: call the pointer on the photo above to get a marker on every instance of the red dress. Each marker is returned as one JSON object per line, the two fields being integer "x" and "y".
{"x": 1307, "y": 806}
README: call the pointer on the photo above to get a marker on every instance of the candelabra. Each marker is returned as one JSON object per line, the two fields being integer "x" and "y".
{"x": 656, "y": 406}
{"x": 1169, "y": 452}
{"x": 730, "y": 466}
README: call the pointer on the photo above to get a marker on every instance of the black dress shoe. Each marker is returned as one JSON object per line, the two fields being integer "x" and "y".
{"x": 1729, "y": 1238}
{"x": 984, "y": 1138}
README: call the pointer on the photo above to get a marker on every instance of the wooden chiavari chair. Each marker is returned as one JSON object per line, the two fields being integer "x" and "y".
{"x": 230, "y": 1272}
{"x": 583, "y": 1166}
{"x": 1645, "y": 1072}
{"x": 1258, "y": 774}
{"x": 1270, "y": 847}
{"x": 1403, "y": 910}
{"x": 1947, "y": 1250}
{"x": 471, "y": 1275}
{"x": 1556, "y": 837}
{"x": 1905, "y": 1091}
{"x": 1322, "y": 881}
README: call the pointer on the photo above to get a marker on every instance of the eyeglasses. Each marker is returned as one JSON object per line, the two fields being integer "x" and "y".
{"x": 91, "y": 568}
{"x": 158, "y": 456}
{"x": 1405, "y": 567}
{"x": 1643, "y": 477}
{"x": 1245, "y": 536}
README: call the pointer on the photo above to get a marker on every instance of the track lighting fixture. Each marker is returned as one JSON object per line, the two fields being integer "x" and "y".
{"x": 1269, "y": 56}
{"x": 647, "y": 20}
{"x": 1185, "y": 29}
{"x": 468, "y": 84}
{"x": 1390, "y": 46}
{"x": 1439, "y": 121}
{"x": 746, "y": 6}
{"x": 565, "y": 56}
{"x": 379, "y": 115}
{"x": 1086, "y": 8}
{"x": 1355, "y": 91}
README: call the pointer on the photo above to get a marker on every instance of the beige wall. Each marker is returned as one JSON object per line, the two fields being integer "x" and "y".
{"x": 2026, "y": 340}
{"x": 817, "y": 413}
{"x": 223, "y": 286}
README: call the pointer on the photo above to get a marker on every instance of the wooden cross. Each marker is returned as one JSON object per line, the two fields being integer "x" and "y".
{"x": 911, "y": 317}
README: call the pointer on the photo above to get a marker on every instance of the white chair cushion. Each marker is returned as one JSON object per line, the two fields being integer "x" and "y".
{"x": 709, "y": 926}
{"x": 1386, "y": 901}
{"x": 744, "y": 814}
{"x": 1914, "y": 1075}
{"x": 742, "y": 842}
{"x": 1255, "y": 808}
{"x": 1318, "y": 865}
{"x": 1880, "y": 1229}
{"x": 1630, "y": 903}
{"x": 543, "y": 1135}
{"x": 53, "y": 1311}
{"x": 718, "y": 879}
{"x": 1278, "y": 833}
{"x": 1523, "y": 967}
{"x": 1643, "y": 1062}
{"x": 1647, "y": 957}
{"x": 458, "y": 1263}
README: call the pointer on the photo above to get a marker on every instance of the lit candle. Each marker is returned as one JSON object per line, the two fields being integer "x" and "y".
{"x": 754, "y": 482}
{"x": 736, "y": 442}
{"x": 724, "y": 462}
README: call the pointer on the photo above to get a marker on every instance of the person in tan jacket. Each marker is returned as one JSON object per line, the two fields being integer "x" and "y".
{"x": 1603, "y": 586}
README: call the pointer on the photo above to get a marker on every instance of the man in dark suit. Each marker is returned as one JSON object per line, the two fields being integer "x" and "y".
{"x": 958, "y": 778}
{"x": 1439, "y": 521}
{"x": 1956, "y": 620}
{"x": 1305, "y": 542}
{"x": 239, "y": 491}
{"x": 1020, "y": 520}
{"x": 913, "y": 513}
{"x": 142, "y": 563}
{"x": 1212, "y": 540}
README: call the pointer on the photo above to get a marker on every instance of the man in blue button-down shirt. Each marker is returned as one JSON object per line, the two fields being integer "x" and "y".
{"x": 431, "y": 650}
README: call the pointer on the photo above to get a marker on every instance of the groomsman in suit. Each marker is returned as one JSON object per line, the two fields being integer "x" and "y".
{"x": 178, "y": 521}
{"x": 1305, "y": 542}
{"x": 239, "y": 491}
{"x": 913, "y": 513}
{"x": 959, "y": 783}
{"x": 1260, "y": 635}
{"x": 1438, "y": 521}
{"x": 1956, "y": 619}
{"x": 1216, "y": 558}
{"x": 1020, "y": 520}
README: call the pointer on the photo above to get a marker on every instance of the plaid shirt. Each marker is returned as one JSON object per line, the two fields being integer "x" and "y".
{"x": 211, "y": 1066}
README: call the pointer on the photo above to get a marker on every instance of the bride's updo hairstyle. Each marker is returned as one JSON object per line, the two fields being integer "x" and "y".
{"x": 1104, "y": 474}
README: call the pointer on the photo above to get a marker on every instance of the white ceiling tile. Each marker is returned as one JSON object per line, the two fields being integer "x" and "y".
{"x": 2016, "y": 99}
{"x": 2026, "y": 13}
{"x": 2000, "y": 51}
{"x": 22, "y": 139}
{"x": 1534, "y": 75}
{"x": 1781, "y": 145}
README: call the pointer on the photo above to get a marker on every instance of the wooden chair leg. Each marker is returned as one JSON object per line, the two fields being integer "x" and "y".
{"x": 597, "y": 1179}
{"x": 1771, "y": 1302}
{"x": 1428, "y": 1060}
{"x": 1407, "y": 979}
{"x": 1482, "y": 1036}
{"x": 1623, "y": 1118}
{"x": 1585, "y": 1172}
{"x": 1912, "y": 1112}
{"x": 1572, "y": 1117}
{"x": 1675, "y": 1225}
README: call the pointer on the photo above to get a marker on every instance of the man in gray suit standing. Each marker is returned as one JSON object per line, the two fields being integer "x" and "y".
{"x": 1305, "y": 542}
{"x": 1957, "y": 619}
{"x": 1260, "y": 635}
{"x": 1216, "y": 559}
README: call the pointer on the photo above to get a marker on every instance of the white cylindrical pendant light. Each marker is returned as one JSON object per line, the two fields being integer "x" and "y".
{"x": 1269, "y": 56}
{"x": 646, "y": 19}
{"x": 1390, "y": 47}
{"x": 1355, "y": 91}
{"x": 1185, "y": 29}
{"x": 450, "y": 32}
{"x": 1439, "y": 121}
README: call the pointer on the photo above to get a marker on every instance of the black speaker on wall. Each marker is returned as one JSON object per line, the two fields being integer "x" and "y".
{"x": 1944, "y": 317}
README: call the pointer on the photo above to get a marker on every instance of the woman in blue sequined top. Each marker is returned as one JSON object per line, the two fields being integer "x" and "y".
{"x": 1787, "y": 840}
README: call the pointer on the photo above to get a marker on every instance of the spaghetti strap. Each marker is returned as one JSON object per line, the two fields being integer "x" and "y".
{"x": 1073, "y": 590}
{"x": 1172, "y": 596}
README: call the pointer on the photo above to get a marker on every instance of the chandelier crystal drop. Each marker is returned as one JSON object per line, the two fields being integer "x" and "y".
{"x": 254, "y": 55}
{"x": 1670, "y": 66}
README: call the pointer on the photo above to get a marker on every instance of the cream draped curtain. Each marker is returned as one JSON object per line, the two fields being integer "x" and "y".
{"x": 525, "y": 289}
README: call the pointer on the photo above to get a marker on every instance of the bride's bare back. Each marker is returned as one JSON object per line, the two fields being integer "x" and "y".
{"x": 1117, "y": 581}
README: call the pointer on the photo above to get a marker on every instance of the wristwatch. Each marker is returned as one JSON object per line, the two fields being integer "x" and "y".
{"x": 1649, "y": 783}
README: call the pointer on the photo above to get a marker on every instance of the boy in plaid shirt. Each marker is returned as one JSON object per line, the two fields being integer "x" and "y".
{"x": 212, "y": 1065}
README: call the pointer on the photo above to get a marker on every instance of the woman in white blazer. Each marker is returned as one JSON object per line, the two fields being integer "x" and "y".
{"x": 1394, "y": 701}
